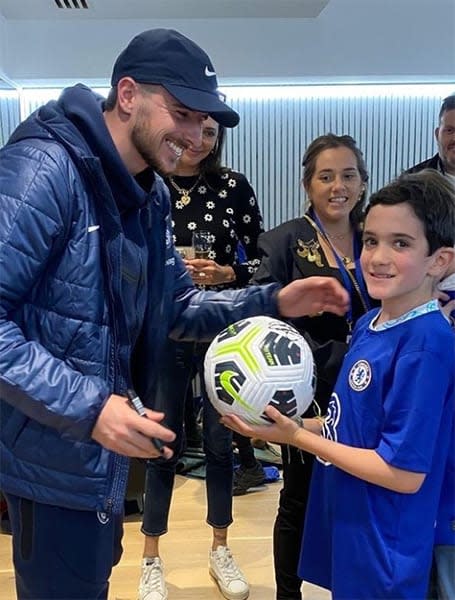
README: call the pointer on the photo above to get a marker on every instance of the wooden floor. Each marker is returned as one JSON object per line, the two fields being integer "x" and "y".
{"x": 185, "y": 548}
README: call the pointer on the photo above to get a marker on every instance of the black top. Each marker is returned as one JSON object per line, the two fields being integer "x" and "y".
{"x": 292, "y": 251}
{"x": 226, "y": 206}
{"x": 286, "y": 255}
{"x": 431, "y": 163}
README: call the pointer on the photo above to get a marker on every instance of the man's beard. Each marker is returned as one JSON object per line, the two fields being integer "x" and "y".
{"x": 449, "y": 163}
{"x": 141, "y": 142}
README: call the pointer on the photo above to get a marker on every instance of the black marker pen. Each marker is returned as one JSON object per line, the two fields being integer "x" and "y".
{"x": 136, "y": 403}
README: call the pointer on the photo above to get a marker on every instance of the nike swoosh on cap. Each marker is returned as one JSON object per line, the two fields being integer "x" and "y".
{"x": 209, "y": 73}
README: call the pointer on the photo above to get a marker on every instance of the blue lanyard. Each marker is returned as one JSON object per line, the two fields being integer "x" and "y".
{"x": 347, "y": 277}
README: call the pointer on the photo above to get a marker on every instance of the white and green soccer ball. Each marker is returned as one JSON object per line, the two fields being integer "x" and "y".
{"x": 256, "y": 362}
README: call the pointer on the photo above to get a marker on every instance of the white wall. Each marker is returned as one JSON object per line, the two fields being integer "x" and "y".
{"x": 350, "y": 40}
{"x": 2, "y": 43}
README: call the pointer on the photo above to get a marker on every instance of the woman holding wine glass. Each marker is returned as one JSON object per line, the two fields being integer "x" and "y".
{"x": 206, "y": 197}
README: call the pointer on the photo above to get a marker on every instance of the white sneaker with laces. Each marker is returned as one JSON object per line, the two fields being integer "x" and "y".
{"x": 152, "y": 585}
{"x": 228, "y": 576}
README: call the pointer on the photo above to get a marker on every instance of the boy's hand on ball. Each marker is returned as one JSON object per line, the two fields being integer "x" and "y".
{"x": 240, "y": 426}
{"x": 313, "y": 295}
{"x": 281, "y": 431}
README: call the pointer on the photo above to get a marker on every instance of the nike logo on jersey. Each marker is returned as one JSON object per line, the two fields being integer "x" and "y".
{"x": 209, "y": 73}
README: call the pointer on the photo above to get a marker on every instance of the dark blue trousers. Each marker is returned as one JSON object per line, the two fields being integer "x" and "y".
{"x": 62, "y": 554}
{"x": 179, "y": 360}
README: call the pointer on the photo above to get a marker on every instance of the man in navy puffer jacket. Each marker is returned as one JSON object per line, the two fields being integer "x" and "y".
{"x": 90, "y": 286}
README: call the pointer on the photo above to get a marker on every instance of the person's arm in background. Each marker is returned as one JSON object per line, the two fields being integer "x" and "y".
{"x": 248, "y": 225}
{"x": 246, "y": 222}
{"x": 275, "y": 258}
{"x": 445, "y": 292}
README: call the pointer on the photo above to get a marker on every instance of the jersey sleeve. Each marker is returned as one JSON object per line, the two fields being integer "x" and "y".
{"x": 414, "y": 406}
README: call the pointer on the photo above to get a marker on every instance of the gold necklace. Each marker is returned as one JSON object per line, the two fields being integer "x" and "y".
{"x": 185, "y": 197}
{"x": 346, "y": 261}
{"x": 337, "y": 237}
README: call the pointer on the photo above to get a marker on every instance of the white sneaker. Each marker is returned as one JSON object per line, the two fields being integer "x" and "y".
{"x": 152, "y": 585}
{"x": 228, "y": 576}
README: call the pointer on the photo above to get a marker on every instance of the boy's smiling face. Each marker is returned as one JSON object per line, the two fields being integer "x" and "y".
{"x": 395, "y": 261}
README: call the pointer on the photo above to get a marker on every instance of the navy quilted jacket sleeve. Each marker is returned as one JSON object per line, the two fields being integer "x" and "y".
{"x": 36, "y": 212}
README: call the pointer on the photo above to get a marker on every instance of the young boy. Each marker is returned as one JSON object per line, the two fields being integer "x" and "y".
{"x": 369, "y": 529}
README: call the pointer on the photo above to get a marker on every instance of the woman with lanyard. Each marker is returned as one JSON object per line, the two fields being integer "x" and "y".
{"x": 204, "y": 196}
{"x": 325, "y": 241}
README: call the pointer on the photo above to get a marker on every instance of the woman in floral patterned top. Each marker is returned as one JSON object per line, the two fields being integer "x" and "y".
{"x": 207, "y": 196}
{"x": 204, "y": 196}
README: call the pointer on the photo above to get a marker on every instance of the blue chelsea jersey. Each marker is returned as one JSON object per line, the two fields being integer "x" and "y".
{"x": 394, "y": 395}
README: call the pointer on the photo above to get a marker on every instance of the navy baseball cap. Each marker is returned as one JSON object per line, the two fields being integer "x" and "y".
{"x": 166, "y": 57}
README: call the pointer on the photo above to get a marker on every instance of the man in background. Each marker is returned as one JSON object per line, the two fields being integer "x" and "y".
{"x": 444, "y": 160}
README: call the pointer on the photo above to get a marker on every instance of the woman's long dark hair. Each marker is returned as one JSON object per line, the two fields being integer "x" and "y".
{"x": 210, "y": 167}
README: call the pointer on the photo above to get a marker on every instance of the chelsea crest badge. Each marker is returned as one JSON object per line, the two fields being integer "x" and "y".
{"x": 360, "y": 375}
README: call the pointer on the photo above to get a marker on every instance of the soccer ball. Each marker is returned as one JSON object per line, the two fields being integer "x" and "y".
{"x": 256, "y": 362}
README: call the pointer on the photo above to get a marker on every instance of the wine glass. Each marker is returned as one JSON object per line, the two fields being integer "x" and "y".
{"x": 202, "y": 243}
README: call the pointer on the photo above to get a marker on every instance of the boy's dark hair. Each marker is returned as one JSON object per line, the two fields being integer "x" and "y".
{"x": 447, "y": 104}
{"x": 327, "y": 142}
{"x": 432, "y": 198}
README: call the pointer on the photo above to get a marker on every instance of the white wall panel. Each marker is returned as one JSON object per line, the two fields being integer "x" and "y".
{"x": 9, "y": 114}
{"x": 393, "y": 126}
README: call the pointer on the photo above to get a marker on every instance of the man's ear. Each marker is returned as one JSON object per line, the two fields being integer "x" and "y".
{"x": 436, "y": 133}
{"x": 127, "y": 92}
{"x": 442, "y": 260}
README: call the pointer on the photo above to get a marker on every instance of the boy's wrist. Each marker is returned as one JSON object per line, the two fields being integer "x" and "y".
{"x": 299, "y": 421}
